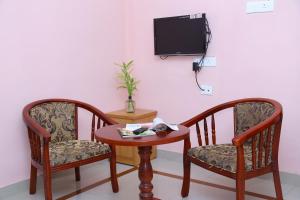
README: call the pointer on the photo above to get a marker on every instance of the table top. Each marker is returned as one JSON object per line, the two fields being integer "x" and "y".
{"x": 138, "y": 114}
{"x": 110, "y": 135}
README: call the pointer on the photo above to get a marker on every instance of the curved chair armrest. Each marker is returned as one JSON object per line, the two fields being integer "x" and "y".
{"x": 211, "y": 111}
{"x": 203, "y": 116}
{"x": 224, "y": 106}
{"x": 240, "y": 139}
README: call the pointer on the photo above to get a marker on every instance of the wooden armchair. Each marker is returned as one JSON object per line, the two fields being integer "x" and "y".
{"x": 254, "y": 148}
{"x": 53, "y": 135}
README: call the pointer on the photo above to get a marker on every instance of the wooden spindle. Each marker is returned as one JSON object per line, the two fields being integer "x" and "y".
{"x": 198, "y": 134}
{"x": 35, "y": 139}
{"x": 35, "y": 145}
{"x": 268, "y": 145}
{"x": 260, "y": 148}
{"x": 30, "y": 135}
{"x": 99, "y": 126}
{"x": 98, "y": 123}
{"x": 39, "y": 154}
{"x": 213, "y": 129}
{"x": 253, "y": 148}
{"x": 93, "y": 128}
{"x": 206, "y": 132}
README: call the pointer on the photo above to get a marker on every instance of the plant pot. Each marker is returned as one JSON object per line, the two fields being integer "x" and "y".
{"x": 130, "y": 105}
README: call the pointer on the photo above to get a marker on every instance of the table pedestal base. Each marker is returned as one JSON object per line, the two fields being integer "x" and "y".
{"x": 110, "y": 135}
{"x": 145, "y": 174}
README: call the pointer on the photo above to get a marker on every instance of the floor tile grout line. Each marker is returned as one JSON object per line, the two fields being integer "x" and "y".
{"x": 89, "y": 187}
{"x": 214, "y": 185}
{"x": 103, "y": 181}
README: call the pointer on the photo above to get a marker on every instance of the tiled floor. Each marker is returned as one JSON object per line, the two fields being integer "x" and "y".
{"x": 165, "y": 188}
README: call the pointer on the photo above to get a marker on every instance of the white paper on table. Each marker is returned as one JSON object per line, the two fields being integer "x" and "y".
{"x": 158, "y": 120}
{"x": 132, "y": 127}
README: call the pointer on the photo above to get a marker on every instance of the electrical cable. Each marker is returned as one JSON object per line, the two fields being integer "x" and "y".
{"x": 196, "y": 78}
{"x": 208, "y": 33}
{"x": 201, "y": 61}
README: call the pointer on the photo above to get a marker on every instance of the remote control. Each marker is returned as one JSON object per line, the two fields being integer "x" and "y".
{"x": 140, "y": 130}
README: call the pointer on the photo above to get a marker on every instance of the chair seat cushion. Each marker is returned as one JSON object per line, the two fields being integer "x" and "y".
{"x": 75, "y": 150}
{"x": 223, "y": 156}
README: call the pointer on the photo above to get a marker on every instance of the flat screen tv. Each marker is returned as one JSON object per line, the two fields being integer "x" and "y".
{"x": 180, "y": 35}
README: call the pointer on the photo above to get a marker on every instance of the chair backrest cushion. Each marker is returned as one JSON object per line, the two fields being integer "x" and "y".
{"x": 250, "y": 114}
{"x": 58, "y": 118}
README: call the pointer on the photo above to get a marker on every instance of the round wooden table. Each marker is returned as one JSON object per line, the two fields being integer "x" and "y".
{"x": 110, "y": 135}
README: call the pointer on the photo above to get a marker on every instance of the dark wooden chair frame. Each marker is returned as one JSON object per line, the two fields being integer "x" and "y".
{"x": 238, "y": 141}
{"x": 40, "y": 150}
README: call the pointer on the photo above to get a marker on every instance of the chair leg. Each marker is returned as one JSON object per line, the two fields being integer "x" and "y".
{"x": 33, "y": 177}
{"x": 277, "y": 183}
{"x": 113, "y": 171}
{"x": 77, "y": 173}
{"x": 47, "y": 183}
{"x": 186, "y": 177}
{"x": 240, "y": 189}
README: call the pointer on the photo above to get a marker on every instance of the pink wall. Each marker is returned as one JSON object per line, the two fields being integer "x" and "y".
{"x": 67, "y": 49}
{"x": 54, "y": 49}
{"x": 257, "y": 56}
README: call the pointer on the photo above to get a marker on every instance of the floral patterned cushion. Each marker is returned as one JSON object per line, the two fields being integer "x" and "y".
{"x": 250, "y": 114}
{"x": 75, "y": 150}
{"x": 223, "y": 156}
{"x": 58, "y": 118}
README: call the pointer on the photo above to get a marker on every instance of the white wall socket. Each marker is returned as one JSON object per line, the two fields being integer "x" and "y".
{"x": 260, "y": 6}
{"x": 208, "y": 61}
{"x": 207, "y": 89}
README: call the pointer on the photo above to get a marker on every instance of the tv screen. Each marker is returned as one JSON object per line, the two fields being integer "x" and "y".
{"x": 181, "y": 35}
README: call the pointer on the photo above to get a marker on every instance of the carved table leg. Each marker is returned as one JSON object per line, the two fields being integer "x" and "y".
{"x": 145, "y": 173}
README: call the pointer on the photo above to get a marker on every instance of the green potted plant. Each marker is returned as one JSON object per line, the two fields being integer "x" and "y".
{"x": 128, "y": 82}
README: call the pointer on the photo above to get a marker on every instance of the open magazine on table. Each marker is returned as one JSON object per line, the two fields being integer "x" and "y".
{"x": 146, "y": 129}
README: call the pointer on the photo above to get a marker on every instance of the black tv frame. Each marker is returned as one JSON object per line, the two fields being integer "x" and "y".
{"x": 202, "y": 47}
